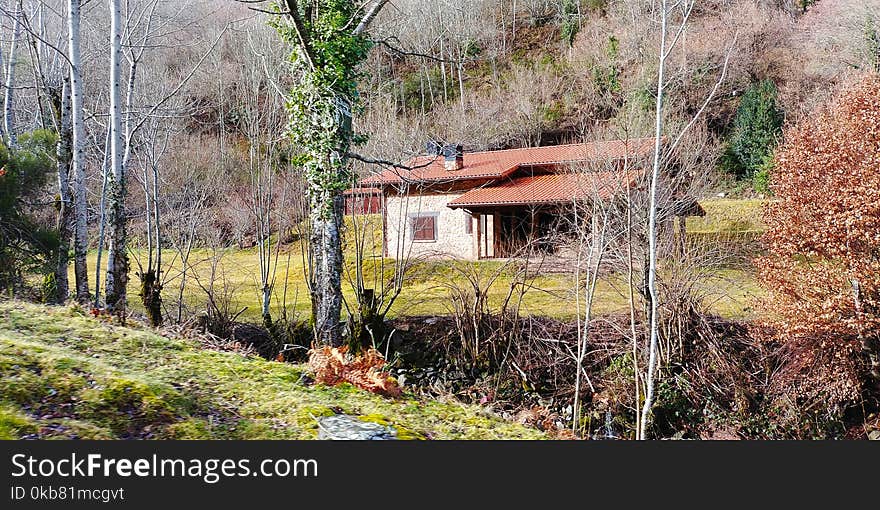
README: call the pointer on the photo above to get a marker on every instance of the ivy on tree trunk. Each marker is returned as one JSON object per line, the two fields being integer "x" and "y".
{"x": 329, "y": 47}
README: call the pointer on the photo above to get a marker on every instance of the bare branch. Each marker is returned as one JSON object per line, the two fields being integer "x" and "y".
{"x": 369, "y": 17}
{"x": 709, "y": 98}
{"x": 301, "y": 33}
{"x": 385, "y": 163}
{"x": 405, "y": 53}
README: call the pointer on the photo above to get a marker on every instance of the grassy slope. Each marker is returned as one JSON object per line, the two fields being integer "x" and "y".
{"x": 65, "y": 374}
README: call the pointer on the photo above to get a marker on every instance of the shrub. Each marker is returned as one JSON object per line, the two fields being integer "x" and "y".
{"x": 570, "y": 22}
{"x": 761, "y": 179}
{"x": 822, "y": 240}
{"x": 26, "y": 246}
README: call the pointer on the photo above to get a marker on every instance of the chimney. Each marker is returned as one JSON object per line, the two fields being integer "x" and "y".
{"x": 453, "y": 157}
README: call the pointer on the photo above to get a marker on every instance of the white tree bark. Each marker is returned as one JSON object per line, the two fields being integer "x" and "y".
{"x": 652, "y": 226}
{"x": 9, "y": 103}
{"x": 117, "y": 258}
{"x": 2, "y": 129}
{"x": 667, "y": 44}
{"x": 108, "y": 171}
{"x": 81, "y": 213}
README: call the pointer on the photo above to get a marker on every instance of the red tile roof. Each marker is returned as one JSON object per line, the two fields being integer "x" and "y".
{"x": 547, "y": 189}
{"x": 498, "y": 164}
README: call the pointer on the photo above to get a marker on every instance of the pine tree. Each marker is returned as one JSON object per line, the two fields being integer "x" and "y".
{"x": 756, "y": 130}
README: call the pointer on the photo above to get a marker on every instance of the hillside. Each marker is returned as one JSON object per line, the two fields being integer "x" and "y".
{"x": 64, "y": 374}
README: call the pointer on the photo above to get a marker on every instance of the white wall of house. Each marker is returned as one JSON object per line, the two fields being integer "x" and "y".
{"x": 452, "y": 238}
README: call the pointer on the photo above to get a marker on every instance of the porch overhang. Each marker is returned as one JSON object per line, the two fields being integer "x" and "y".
{"x": 544, "y": 190}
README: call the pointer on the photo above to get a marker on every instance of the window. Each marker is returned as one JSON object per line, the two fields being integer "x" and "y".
{"x": 424, "y": 228}
{"x": 468, "y": 224}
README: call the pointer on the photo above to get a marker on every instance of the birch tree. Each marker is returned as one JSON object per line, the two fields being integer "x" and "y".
{"x": 63, "y": 157}
{"x": 117, "y": 258}
{"x": 9, "y": 102}
{"x": 52, "y": 79}
{"x": 77, "y": 118}
{"x": 130, "y": 39}
{"x": 673, "y": 17}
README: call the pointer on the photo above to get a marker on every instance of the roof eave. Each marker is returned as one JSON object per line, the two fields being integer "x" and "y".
{"x": 506, "y": 204}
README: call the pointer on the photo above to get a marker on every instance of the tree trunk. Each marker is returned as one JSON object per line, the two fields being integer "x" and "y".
{"x": 105, "y": 173}
{"x": 652, "y": 230}
{"x": 2, "y": 129}
{"x": 117, "y": 258}
{"x": 102, "y": 219}
{"x": 64, "y": 156}
{"x": 328, "y": 169}
{"x": 81, "y": 244}
{"x": 9, "y": 103}
{"x": 326, "y": 245}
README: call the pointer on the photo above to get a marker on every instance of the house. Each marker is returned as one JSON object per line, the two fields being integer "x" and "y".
{"x": 477, "y": 205}
{"x": 363, "y": 200}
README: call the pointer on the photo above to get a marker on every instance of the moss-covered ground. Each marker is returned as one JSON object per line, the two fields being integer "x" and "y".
{"x": 65, "y": 374}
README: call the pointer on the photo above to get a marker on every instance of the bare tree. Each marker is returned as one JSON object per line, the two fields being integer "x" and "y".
{"x": 596, "y": 226}
{"x": 153, "y": 149}
{"x": 186, "y": 207}
{"x": 669, "y": 14}
{"x": 262, "y": 118}
{"x": 9, "y": 102}
{"x": 81, "y": 215}
{"x": 124, "y": 127}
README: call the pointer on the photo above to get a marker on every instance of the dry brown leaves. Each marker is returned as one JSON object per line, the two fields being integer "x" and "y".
{"x": 824, "y": 234}
{"x": 334, "y": 365}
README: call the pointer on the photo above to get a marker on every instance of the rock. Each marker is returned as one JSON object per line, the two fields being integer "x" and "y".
{"x": 344, "y": 427}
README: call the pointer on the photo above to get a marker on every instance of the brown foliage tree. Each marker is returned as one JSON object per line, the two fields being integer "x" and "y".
{"x": 822, "y": 266}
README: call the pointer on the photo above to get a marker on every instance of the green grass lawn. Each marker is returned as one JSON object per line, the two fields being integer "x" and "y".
{"x": 729, "y": 293}
{"x": 64, "y": 374}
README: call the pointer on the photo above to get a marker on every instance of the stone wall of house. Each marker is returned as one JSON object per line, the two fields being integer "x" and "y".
{"x": 452, "y": 238}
